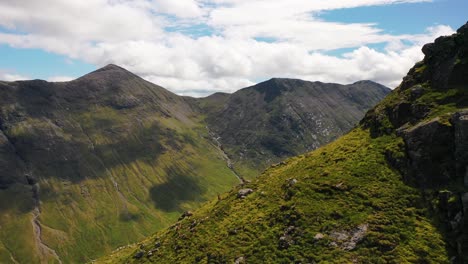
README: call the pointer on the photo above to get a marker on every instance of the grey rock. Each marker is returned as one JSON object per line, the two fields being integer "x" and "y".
{"x": 347, "y": 240}
{"x": 356, "y": 236}
{"x": 240, "y": 260}
{"x": 290, "y": 230}
{"x": 139, "y": 255}
{"x": 416, "y": 92}
{"x": 430, "y": 149}
{"x": 185, "y": 215}
{"x": 285, "y": 242}
{"x": 339, "y": 235}
{"x": 456, "y": 221}
{"x": 460, "y": 123}
{"x": 244, "y": 192}
{"x": 292, "y": 182}
{"x": 319, "y": 236}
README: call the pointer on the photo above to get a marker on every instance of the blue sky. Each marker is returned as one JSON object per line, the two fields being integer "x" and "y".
{"x": 408, "y": 18}
{"x": 206, "y": 46}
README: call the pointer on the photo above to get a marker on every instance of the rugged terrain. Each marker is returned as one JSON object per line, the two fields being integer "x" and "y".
{"x": 280, "y": 118}
{"x": 99, "y": 162}
{"x": 393, "y": 190}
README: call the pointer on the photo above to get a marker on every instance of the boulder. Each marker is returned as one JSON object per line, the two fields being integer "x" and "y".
{"x": 347, "y": 240}
{"x": 185, "y": 214}
{"x": 291, "y": 182}
{"x": 139, "y": 255}
{"x": 243, "y": 193}
{"x": 319, "y": 236}
{"x": 240, "y": 260}
{"x": 285, "y": 242}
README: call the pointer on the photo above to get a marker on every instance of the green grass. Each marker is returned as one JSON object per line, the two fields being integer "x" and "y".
{"x": 83, "y": 216}
{"x": 400, "y": 228}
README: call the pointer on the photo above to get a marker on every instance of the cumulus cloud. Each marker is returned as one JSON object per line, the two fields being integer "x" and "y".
{"x": 10, "y": 77}
{"x": 152, "y": 38}
{"x": 60, "y": 78}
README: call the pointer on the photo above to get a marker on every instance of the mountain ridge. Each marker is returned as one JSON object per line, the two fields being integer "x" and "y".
{"x": 286, "y": 117}
{"x": 98, "y": 162}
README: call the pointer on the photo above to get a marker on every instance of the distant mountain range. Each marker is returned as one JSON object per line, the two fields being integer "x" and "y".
{"x": 393, "y": 190}
{"x": 92, "y": 164}
{"x": 280, "y": 118}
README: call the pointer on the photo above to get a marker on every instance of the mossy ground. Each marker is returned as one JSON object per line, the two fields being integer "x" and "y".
{"x": 339, "y": 187}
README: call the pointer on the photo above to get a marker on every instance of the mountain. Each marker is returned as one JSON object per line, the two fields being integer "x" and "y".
{"x": 96, "y": 163}
{"x": 102, "y": 161}
{"x": 280, "y": 118}
{"x": 393, "y": 190}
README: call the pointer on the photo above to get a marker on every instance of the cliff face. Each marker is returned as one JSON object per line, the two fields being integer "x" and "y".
{"x": 429, "y": 112}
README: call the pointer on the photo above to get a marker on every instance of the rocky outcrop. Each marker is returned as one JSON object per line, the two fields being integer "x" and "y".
{"x": 438, "y": 151}
{"x": 243, "y": 193}
{"x": 444, "y": 63}
{"x": 430, "y": 149}
{"x": 348, "y": 240}
{"x": 460, "y": 122}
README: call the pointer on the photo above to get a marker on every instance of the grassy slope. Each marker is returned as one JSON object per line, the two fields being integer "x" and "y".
{"x": 83, "y": 220}
{"x": 115, "y": 157}
{"x": 340, "y": 187}
{"x": 400, "y": 229}
{"x": 113, "y": 176}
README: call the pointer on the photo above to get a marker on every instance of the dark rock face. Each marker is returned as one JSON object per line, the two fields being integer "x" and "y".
{"x": 430, "y": 148}
{"x": 444, "y": 62}
{"x": 436, "y": 150}
{"x": 438, "y": 160}
{"x": 460, "y": 121}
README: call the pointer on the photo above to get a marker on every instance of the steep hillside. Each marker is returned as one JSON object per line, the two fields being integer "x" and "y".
{"x": 263, "y": 124}
{"x": 102, "y": 161}
{"x": 393, "y": 190}
{"x": 96, "y": 163}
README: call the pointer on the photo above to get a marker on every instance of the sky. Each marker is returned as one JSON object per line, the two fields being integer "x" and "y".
{"x": 198, "y": 47}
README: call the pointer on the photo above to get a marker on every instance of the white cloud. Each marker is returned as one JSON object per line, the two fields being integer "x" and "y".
{"x": 134, "y": 35}
{"x": 60, "y": 78}
{"x": 179, "y": 8}
{"x": 10, "y": 77}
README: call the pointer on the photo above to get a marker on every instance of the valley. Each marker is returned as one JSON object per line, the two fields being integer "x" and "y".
{"x": 100, "y": 162}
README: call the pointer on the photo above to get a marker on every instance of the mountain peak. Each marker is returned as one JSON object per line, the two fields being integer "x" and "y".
{"x": 463, "y": 29}
{"x": 112, "y": 68}
{"x": 444, "y": 64}
{"x": 109, "y": 72}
